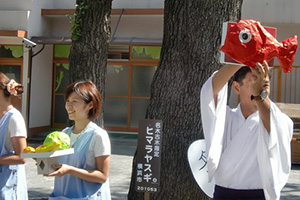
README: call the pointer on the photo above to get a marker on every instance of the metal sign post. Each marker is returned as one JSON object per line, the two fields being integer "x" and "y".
{"x": 146, "y": 196}
{"x": 148, "y": 157}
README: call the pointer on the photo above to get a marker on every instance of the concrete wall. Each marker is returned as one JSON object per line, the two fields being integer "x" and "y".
{"x": 132, "y": 26}
{"x": 272, "y": 11}
{"x": 65, "y": 4}
{"x": 15, "y": 4}
{"x": 137, "y": 4}
{"x": 61, "y": 27}
{"x": 14, "y": 20}
{"x": 70, "y": 4}
{"x": 37, "y": 24}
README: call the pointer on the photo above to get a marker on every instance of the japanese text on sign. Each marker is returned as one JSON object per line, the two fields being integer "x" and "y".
{"x": 148, "y": 155}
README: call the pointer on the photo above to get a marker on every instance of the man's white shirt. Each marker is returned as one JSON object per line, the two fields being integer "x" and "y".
{"x": 241, "y": 153}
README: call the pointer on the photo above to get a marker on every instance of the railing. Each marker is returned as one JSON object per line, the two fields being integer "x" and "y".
{"x": 285, "y": 88}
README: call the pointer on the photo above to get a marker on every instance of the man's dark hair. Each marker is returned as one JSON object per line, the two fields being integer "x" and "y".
{"x": 241, "y": 74}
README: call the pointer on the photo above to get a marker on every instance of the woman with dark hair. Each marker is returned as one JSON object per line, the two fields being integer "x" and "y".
{"x": 12, "y": 141}
{"x": 84, "y": 174}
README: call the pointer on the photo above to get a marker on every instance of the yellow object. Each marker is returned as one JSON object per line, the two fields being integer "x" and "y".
{"x": 29, "y": 149}
{"x": 43, "y": 148}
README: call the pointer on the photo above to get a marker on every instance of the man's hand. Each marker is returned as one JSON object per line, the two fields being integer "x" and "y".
{"x": 260, "y": 79}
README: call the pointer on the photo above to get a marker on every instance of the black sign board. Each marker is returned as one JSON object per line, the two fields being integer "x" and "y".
{"x": 148, "y": 155}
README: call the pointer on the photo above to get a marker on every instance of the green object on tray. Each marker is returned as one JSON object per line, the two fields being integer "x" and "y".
{"x": 58, "y": 137}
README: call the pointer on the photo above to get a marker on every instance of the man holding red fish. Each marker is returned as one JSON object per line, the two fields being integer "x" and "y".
{"x": 248, "y": 147}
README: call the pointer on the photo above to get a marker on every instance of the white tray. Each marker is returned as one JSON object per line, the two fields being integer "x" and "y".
{"x": 48, "y": 154}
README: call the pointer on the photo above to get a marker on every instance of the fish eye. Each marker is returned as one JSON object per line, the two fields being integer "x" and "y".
{"x": 245, "y": 36}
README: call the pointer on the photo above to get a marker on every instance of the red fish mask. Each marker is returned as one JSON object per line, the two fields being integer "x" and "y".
{"x": 248, "y": 42}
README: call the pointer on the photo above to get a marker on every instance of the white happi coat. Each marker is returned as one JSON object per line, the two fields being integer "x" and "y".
{"x": 241, "y": 153}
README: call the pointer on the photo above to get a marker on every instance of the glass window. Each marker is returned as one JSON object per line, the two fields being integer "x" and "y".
{"x": 62, "y": 51}
{"x": 117, "y": 80}
{"x": 112, "y": 55}
{"x": 141, "y": 80}
{"x": 61, "y": 81}
{"x": 138, "y": 111}
{"x": 115, "y": 112}
{"x": 11, "y": 51}
{"x": 118, "y": 55}
{"x": 62, "y": 77}
{"x": 118, "y": 51}
{"x": 12, "y": 71}
{"x": 60, "y": 113}
{"x": 146, "y": 52}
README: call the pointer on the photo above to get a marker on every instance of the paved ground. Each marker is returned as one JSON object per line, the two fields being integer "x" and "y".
{"x": 291, "y": 191}
{"x": 123, "y": 149}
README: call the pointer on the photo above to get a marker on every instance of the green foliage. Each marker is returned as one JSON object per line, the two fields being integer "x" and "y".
{"x": 76, "y": 20}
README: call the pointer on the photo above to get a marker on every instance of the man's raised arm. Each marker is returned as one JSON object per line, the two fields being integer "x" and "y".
{"x": 222, "y": 77}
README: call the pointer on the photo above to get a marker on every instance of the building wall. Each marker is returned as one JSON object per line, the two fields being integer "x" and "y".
{"x": 131, "y": 26}
{"x": 61, "y": 27}
{"x": 138, "y": 4}
{"x": 267, "y": 11}
{"x": 37, "y": 24}
{"x": 15, "y": 4}
{"x": 272, "y": 11}
{"x": 65, "y": 4}
{"x": 13, "y": 20}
